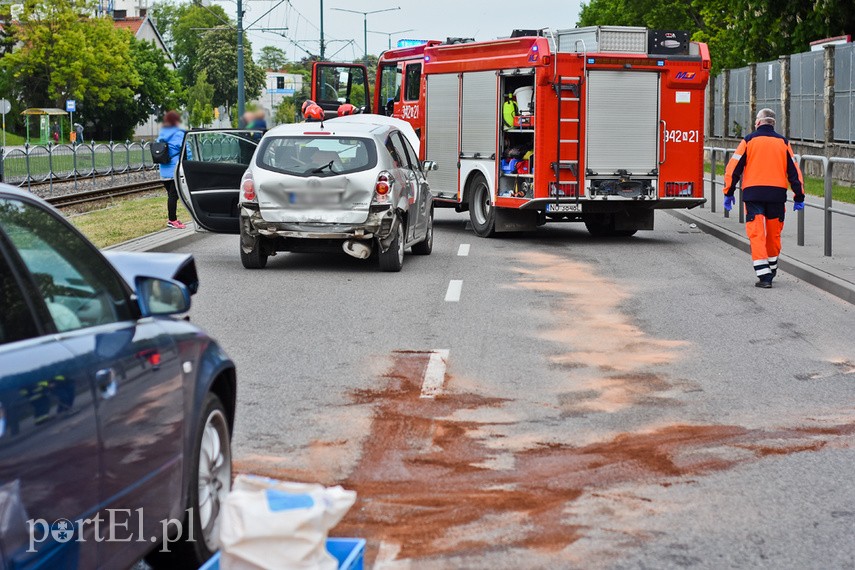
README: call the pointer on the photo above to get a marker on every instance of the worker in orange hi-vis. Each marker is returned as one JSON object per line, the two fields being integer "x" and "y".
{"x": 764, "y": 161}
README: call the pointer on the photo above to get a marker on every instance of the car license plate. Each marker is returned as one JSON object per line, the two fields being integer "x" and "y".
{"x": 314, "y": 199}
{"x": 564, "y": 207}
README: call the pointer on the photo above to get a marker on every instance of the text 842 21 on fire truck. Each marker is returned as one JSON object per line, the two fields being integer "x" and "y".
{"x": 602, "y": 125}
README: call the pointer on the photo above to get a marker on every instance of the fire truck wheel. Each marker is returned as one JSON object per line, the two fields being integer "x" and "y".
{"x": 482, "y": 214}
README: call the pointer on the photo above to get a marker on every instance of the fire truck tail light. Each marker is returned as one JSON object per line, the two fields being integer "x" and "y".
{"x": 676, "y": 189}
{"x": 247, "y": 186}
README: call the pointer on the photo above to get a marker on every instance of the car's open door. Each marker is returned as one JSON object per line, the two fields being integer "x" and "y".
{"x": 209, "y": 173}
{"x": 334, "y": 84}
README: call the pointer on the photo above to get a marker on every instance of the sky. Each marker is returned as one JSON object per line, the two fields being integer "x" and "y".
{"x": 428, "y": 19}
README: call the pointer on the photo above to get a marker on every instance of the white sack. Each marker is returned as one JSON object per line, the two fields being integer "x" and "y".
{"x": 275, "y": 525}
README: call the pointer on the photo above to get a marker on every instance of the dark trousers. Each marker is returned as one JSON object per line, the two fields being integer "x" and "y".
{"x": 171, "y": 199}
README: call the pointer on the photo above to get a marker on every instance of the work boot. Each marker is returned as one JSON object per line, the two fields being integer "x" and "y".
{"x": 765, "y": 282}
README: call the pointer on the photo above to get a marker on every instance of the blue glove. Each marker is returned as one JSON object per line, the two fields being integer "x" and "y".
{"x": 798, "y": 206}
{"x": 728, "y": 203}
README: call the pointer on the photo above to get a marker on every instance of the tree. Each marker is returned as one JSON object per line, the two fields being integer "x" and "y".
{"x": 165, "y": 15}
{"x": 158, "y": 91}
{"x": 217, "y": 57}
{"x": 186, "y": 32}
{"x": 271, "y": 57}
{"x": 737, "y": 31}
{"x": 199, "y": 101}
{"x": 285, "y": 111}
{"x": 66, "y": 54}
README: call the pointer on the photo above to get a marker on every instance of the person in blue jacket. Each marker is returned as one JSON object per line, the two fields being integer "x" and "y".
{"x": 173, "y": 135}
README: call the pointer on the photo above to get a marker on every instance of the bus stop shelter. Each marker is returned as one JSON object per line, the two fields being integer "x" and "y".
{"x": 44, "y": 114}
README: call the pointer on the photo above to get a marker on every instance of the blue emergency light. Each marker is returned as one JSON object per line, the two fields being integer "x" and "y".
{"x": 411, "y": 43}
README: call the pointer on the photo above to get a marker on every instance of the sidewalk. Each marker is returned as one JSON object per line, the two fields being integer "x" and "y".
{"x": 163, "y": 241}
{"x": 834, "y": 274}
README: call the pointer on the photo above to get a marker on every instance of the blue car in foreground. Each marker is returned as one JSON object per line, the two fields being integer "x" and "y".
{"x": 116, "y": 413}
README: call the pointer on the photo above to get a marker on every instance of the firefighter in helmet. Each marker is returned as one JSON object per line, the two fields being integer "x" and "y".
{"x": 313, "y": 113}
{"x": 346, "y": 109}
{"x": 764, "y": 161}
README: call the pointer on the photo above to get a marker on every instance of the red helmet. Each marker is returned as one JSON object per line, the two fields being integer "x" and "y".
{"x": 313, "y": 113}
{"x": 347, "y": 109}
{"x": 306, "y": 104}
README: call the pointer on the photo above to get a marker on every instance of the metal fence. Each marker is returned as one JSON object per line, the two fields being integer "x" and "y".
{"x": 844, "y": 93}
{"x": 739, "y": 115}
{"x": 804, "y": 85}
{"x": 718, "y": 108}
{"x": 827, "y": 206}
{"x": 807, "y": 119}
{"x": 46, "y": 164}
{"x": 769, "y": 86}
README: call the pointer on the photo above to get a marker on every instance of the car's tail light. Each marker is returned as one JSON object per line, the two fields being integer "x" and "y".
{"x": 382, "y": 188}
{"x": 674, "y": 189}
{"x": 247, "y": 187}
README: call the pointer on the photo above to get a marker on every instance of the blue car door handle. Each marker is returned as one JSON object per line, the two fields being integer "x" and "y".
{"x": 105, "y": 380}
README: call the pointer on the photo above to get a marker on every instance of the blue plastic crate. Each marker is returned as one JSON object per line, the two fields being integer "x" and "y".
{"x": 350, "y": 553}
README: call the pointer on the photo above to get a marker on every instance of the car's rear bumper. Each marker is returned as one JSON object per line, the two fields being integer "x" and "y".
{"x": 379, "y": 224}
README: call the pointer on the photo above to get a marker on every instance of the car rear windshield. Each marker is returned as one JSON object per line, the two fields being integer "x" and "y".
{"x": 322, "y": 155}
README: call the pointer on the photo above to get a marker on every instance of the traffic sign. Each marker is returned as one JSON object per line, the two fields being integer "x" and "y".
{"x": 70, "y": 105}
{"x": 5, "y": 106}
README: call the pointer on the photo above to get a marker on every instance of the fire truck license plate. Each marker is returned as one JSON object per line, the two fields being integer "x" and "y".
{"x": 564, "y": 207}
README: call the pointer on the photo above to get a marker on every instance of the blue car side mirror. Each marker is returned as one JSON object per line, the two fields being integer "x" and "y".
{"x": 159, "y": 297}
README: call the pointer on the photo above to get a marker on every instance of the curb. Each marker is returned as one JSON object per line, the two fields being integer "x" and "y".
{"x": 829, "y": 283}
{"x": 163, "y": 241}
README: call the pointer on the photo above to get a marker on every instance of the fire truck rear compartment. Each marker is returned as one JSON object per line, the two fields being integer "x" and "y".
{"x": 622, "y": 133}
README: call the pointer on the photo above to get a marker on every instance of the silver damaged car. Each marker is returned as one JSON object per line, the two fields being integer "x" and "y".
{"x": 352, "y": 183}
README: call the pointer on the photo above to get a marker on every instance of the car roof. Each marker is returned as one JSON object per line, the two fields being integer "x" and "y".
{"x": 372, "y": 119}
{"x": 340, "y": 129}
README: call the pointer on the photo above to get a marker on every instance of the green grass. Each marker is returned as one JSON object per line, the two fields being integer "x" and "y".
{"x": 125, "y": 219}
{"x": 12, "y": 139}
{"x": 813, "y": 186}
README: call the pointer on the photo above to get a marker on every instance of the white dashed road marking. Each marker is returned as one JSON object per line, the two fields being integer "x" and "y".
{"x": 463, "y": 250}
{"x": 435, "y": 373}
{"x": 455, "y": 286}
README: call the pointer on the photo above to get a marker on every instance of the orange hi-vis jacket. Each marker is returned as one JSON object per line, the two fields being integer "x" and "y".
{"x": 765, "y": 162}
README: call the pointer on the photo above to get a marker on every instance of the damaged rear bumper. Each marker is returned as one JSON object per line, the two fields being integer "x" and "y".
{"x": 379, "y": 224}
{"x": 378, "y": 228}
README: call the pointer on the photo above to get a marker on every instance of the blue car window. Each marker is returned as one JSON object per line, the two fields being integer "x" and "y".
{"x": 16, "y": 320}
{"x": 78, "y": 287}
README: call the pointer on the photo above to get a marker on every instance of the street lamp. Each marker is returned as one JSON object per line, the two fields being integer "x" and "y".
{"x": 390, "y": 34}
{"x": 365, "y": 23}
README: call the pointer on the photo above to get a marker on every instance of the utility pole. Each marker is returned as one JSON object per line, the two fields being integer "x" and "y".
{"x": 241, "y": 95}
{"x": 323, "y": 47}
{"x": 390, "y": 34}
{"x": 365, "y": 24}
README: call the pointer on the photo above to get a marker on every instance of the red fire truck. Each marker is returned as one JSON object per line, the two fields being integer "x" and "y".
{"x": 602, "y": 125}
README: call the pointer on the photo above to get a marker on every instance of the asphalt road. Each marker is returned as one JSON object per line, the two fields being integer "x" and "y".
{"x": 625, "y": 403}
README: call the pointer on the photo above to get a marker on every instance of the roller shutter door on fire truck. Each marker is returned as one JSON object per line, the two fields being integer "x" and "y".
{"x": 623, "y": 122}
{"x": 443, "y": 118}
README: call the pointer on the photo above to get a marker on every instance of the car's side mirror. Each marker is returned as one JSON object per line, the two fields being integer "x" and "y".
{"x": 158, "y": 297}
{"x": 429, "y": 165}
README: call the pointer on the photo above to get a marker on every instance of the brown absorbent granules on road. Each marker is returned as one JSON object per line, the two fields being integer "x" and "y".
{"x": 420, "y": 486}
{"x": 431, "y": 481}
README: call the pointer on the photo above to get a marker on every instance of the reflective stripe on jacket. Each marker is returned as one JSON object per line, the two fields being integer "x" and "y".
{"x": 764, "y": 161}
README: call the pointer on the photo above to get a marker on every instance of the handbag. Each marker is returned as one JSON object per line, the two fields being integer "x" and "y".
{"x": 160, "y": 152}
